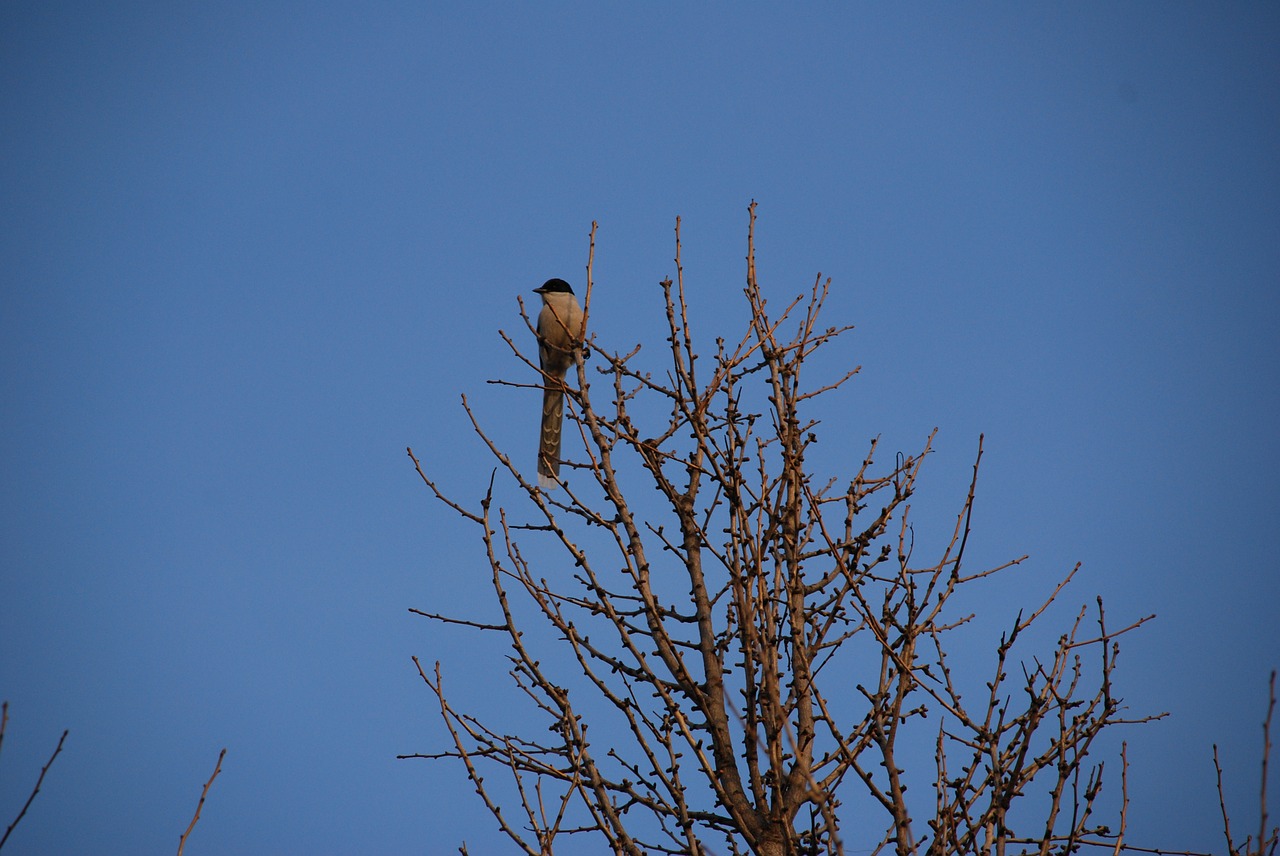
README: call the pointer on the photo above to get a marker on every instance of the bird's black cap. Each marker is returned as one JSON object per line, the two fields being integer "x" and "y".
{"x": 554, "y": 285}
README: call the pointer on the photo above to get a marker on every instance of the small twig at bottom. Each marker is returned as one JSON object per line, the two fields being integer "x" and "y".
{"x": 182, "y": 842}
{"x": 36, "y": 789}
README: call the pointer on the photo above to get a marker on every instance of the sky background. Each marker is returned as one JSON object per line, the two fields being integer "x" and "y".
{"x": 250, "y": 252}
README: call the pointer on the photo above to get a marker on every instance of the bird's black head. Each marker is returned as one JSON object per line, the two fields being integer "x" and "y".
{"x": 552, "y": 286}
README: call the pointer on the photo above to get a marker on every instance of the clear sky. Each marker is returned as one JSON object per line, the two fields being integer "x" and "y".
{"x": 251, "y": 251}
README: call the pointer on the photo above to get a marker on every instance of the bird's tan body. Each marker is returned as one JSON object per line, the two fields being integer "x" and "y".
{"x": 559, "y": 334}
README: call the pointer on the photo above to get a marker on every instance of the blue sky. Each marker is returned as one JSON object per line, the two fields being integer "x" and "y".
{"x": 251, "y": 252}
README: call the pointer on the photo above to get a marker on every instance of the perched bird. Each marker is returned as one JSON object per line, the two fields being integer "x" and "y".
{"x": 559, "y": 333}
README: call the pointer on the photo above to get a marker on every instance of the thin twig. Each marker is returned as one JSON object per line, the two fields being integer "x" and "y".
{"x": 182, "y": 842}
{"x": 1222, "y": 802}
{"x": 36, "y": 789}
{"x": 1266, "y": 755}
{"x": 1124, "y": 798}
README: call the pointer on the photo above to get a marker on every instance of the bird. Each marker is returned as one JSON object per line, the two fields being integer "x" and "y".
{"x": 559, "y": 334}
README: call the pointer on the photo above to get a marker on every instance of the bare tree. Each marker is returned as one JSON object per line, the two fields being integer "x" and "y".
{"x": 757, "y": 661}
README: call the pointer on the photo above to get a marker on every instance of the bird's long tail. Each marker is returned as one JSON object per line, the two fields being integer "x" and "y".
{"x": 549, "y": 441}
